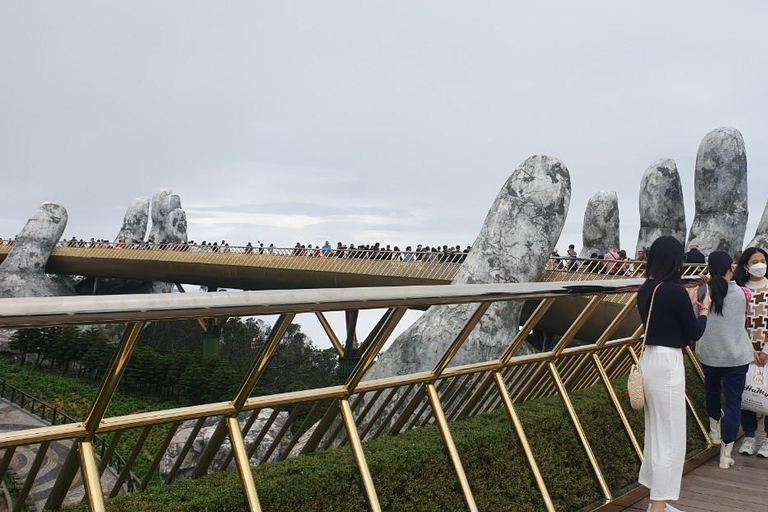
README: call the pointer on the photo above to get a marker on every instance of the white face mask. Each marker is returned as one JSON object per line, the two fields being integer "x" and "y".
{"x": 757, "y": 270}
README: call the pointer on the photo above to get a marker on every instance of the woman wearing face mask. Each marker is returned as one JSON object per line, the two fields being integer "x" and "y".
{"x": 750, "y": 272}
{"x": 725, "y": 351}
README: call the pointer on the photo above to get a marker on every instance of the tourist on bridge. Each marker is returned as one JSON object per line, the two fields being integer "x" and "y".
{"x": 725, "y": 352}
{"x": 694, "y": 255}
{"x": 671, "y": 325}
{"x": 611, "y": 255}
{"x": 750, "y": 272}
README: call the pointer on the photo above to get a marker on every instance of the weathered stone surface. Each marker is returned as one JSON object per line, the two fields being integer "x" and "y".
{"x": 601, "y": 224}
{"x": 513, "y": 246}
{"x": 135, "y": 222}
{"x": 201, "y": 441}
{"x": 761, "y": 235}
{"x": 662, "y": 206}
{"x": 721, "y": 192}
{"x": 22, "y": 274}
{"x": 163, "y": 203}
{"x": 175, "y": 227}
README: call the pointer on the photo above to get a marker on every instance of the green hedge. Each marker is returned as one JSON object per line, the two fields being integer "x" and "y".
{"x": 412, "y": 471}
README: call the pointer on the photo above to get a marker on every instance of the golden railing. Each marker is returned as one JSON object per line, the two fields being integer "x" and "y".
{"x": 244, "y": 267}
{"x": 355, "y": 411}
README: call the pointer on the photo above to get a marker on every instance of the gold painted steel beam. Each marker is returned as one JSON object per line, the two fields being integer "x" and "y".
{"x": 262, "y": 361}
{"x": 159, "y": 455}
{"x": 445, "y": 433}
{"x": 104, "y": 462}
{"x": 699, "y": 423}
{"x": 184, "y": 450}
{"x": 6, "y": 461}
{"x": 370, "y": 354}
{"x": 454, "y": 348}
{"x": 340, "y": 424}
{"x": 523, "y": 438}
{"x": 37, "y": 463}
{"x": 386, "y": 423}
{"x": 577, "y": 324}
{"x": 125, "y": 473}
{"x": 67, "y": 473}
{"x": 308, "y": 420}
{"x": 264, "y": 430}
{"x": 329, "y": 332}
{"x": 322, "y": 428}
{"x": 112, "y": 378}
{"x": 695, "y": 362}
{"x": 357, "y": 451}
{"x": 532, "y": 321}
{"x": 382, "y": 407}
{"x": 243, "y": 465}
{"x": 244, "y": 431}
{"x": 91, "y": 478}
{"x": 617, "y": 406}
{"x": 580, "y": 431}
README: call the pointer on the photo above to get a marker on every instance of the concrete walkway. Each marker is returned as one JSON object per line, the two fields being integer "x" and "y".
{"x": 14, "y": 418}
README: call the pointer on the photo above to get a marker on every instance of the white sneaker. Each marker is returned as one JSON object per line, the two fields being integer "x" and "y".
{"x": 714, "y": 431}
{"x": 670, "y": 508}
{"x": 747, "y": 446}
{"x": 763, "y": 451}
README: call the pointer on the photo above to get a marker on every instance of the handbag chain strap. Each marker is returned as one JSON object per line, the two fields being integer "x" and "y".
{"x": 648, "y": 322}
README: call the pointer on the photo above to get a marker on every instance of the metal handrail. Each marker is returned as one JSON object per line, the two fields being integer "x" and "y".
{"x": 441, "y": 395}
{"x": 40, "y": 409}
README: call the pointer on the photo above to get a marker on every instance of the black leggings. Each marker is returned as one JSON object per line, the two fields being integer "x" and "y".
{"x": 749, "y": 423}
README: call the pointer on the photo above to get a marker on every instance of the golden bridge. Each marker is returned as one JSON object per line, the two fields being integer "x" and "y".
{"x": 597, "y": 344}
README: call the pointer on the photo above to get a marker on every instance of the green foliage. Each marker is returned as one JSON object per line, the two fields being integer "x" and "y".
{"x": 412, "y": 471}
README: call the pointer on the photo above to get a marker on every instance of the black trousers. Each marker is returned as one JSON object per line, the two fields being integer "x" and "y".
{"x": 749, "y": 423}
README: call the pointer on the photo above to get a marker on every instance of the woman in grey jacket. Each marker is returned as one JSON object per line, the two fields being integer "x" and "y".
{"x": 725, "y": 352}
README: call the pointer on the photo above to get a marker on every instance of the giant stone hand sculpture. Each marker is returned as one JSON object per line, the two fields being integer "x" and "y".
{"x": 662, "y": 207}
{"x": 761, "y": 235}
{"x": 513, "y": 246}
{"x": 721, "y": 192}
{"x": 135, "y": 222}
{"x": 601, "y": 224}
{"x": 22, "y": 274}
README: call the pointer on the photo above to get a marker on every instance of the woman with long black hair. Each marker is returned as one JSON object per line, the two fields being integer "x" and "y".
{"x": 750, "y": 272}
{"x": 673, "y": 326}
{"x": 725, "y": 352}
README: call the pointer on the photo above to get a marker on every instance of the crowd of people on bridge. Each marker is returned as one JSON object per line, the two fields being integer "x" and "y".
{"x": 733, "y": 294}
{"x": 376, "y": 251}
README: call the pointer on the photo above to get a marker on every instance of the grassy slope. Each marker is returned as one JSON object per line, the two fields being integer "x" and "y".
{"x": 412, "y": 471}
{"x": 74, "y": 396}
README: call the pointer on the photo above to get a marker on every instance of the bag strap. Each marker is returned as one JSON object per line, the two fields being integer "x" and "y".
{"x": 648, "y": 322}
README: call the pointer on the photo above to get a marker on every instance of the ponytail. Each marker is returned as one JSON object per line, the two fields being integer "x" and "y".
{"x": 718, "y": 289}
{"x": 719, "y": 265}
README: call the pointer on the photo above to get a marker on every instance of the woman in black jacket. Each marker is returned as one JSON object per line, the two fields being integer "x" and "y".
{"x": 673, "y": 325}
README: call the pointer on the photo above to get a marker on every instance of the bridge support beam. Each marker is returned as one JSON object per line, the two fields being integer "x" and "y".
{"x": 357, "y": 451}
{"x": 517, "y": 424}
{"x": 91, "y": 477}
{"x": 243, "y": 464}
{"x": 580, "y": 431}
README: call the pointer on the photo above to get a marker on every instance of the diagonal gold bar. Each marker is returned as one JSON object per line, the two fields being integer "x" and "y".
{"x": 243, "y": 464}
{"x": 395, "y": 408}
{"x": 159, "y": 455}
{"x": 184, "y": 450}
{"x": 7, "y": 456}
{"x": 125, "y": 473}
{"x": 262, "y": 361}
{"x": 112, "y": 378}
{"x": 91, "y": 478}
{"x": 339, "y": 424}
{"x": 532, "y": 321}
{"x": 378, "y": 413}
{"x": 37, "y": 463}
{"x": 329, "y": 331}
{"x": 264, "y": 430}
{"x": 246, "y": 428}
{"x": 453, "y": 349}
{"x": 322, "y": 428}
{"x": 617, "y": 405}
{"x": 517, "y": 424}
{"x": 357, "y": 451}
{"x": 577, "y": 324}
{"x": 61, "y": 486}
{"x": 104, "y": 462}
{"x": 580, "y": 431}
{"x": 695, "y": 362}
{"x": 393, "y": 318}
{"x": 699, "y": 423}
{"x": 445, "y": 432}
{"x": 605, "y": 336}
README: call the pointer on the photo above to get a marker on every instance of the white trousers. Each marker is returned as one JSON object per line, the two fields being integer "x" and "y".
{"x": 665, "y": 430}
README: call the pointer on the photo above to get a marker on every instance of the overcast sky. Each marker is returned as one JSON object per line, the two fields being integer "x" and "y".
{"x": 391, "y": 121}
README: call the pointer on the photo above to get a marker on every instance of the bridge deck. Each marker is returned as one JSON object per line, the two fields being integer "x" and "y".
{"x": 711, "y": 489}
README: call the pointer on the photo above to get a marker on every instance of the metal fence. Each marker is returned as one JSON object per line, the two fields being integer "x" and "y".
{"x": 359, "y": 409}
